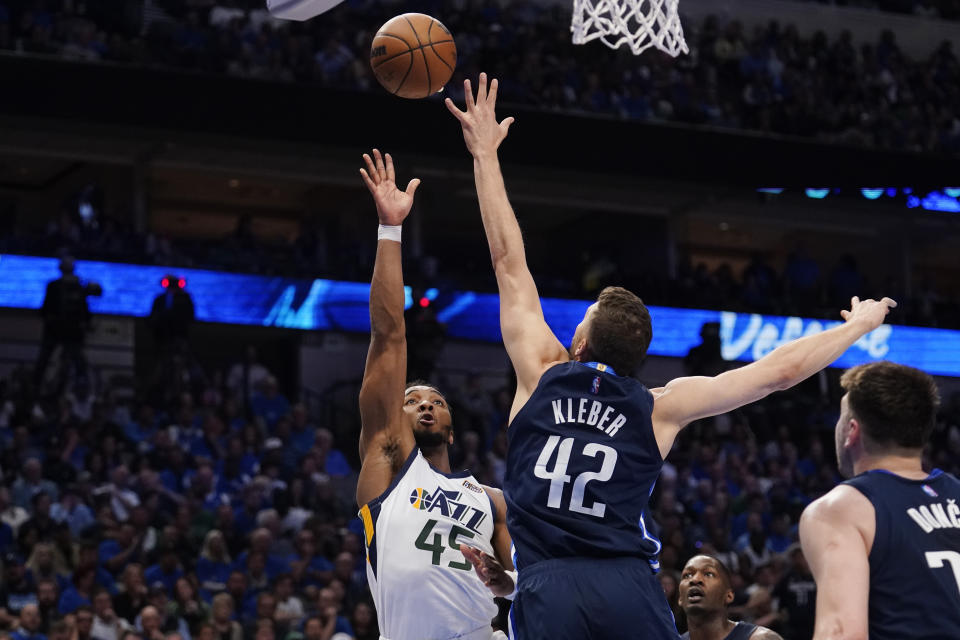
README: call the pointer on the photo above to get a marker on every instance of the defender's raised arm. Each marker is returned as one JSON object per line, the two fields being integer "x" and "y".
{"x": 684, "y": 400}
{"x": 530, "y": 343}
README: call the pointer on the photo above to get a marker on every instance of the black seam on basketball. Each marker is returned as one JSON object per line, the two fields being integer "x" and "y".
{"x": 441, "y": 57}
{"x": 426, "y": 65}
{"x": 392, "y": 35}
{"x": 414, "y": 29}
{"x": 405, "y": 76}
{"x": 410, "y": 50}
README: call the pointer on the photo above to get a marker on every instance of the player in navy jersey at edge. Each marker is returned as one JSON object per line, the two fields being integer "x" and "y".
{"x": 705, "y": 594}
{"x": 587, "y": 441}
{"x": 884, "y": 546}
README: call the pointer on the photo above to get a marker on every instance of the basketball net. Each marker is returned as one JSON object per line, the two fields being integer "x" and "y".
{"x": 641, "y": 24}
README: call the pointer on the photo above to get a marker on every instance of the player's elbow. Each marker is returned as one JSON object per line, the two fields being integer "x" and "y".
{"x": 837, "y": 625}
{"x": 504, "y": 261}
{"x": 388, "y": 330}
{"x": 783, "y": 376}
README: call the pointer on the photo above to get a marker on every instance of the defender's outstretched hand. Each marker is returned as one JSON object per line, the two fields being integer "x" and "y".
{"x": 489, "y": 570}
{"x": 869, "y": 312}
{"x": 481, "y": 131}
{"x": 393, "y": 205}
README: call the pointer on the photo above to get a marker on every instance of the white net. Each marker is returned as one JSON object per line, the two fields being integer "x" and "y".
{"x": 641, "y": 24}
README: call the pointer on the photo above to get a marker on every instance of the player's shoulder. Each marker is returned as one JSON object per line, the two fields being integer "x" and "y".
{"x": 842, "y": 504}
{"x": 762, "y": 633}
{"x": 499, "y": 503}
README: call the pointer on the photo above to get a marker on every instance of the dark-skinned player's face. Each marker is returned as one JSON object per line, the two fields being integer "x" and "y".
{"x": 703, "y": 588}
{"x": 429, "y": 416}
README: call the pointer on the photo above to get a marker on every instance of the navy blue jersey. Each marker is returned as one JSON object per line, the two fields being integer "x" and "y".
{"x": 915, "y": 558}
{"x": 742, "y": 631}
{"x": 581, "y": 466}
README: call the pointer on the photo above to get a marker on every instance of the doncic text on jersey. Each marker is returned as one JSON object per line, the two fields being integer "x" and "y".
{"x": 589, "y": 412}
{"x": 936, "y": 516}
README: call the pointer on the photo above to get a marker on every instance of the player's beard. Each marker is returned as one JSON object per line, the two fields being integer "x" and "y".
{"x": 428, "y": 440}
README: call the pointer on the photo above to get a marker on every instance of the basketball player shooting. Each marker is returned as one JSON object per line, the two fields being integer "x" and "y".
{"x": 587, "y": 441}
{"x": 415, "y": 512}
{"x": 884, "y": 546}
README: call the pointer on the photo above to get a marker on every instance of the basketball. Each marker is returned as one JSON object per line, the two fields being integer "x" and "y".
{"x": 413, "y": 55}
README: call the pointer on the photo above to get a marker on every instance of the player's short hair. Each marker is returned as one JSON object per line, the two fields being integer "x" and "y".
{"x": 724, "y": 571}
{"x": 721, "y": 568}
{"x": 423, "y": 383}
{"x": 620, "y": 331}
{"x": 895, "y": 404}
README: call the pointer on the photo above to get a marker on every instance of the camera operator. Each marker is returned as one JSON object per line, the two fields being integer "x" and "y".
{"x": 66, "y": 320}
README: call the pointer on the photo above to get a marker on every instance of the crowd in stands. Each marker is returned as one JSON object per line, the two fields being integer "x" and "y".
{"x": 226, "y": 512}
{"x": 767, "y": 79}
{"x": 946, "y": 9}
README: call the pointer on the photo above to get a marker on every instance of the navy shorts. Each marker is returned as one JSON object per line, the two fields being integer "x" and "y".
{"x": 595, "y": 598}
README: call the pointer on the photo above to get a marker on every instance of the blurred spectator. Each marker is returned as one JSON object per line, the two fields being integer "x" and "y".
{"x": 188, "y": 606}
{"x": 133, "y": 597}
{"x": 79, "y": 594}
{"x": 706, "y": 359}
{"x": 222, "y": 613}
{"x": 269, "y": 404}
{"x": 29, "y": 628}
{"x": 290, "y": 609}
{"x": 166, "y": 572}
{"x": 172, "y": 315}
{"x": 72, "y": 510}
{"x": 149, "y": 624}
{"x": 83, "y": 623}
{"x": 797, "y": 596}
{"x": 30, "y": 483}
{"x": 66, "y": 320}
{"x": 46, "y": 564}
{"x": 125, "y": 548}
{"x": 213, "y": 566}
{"x": 12, "y": 515}
{"x": 364, "y": 622}
{"x": 334, "y": 462}
{"x": 107, "y": 625}
{"x": 247, "y": 376}
{"x": 48, "y": 598}
{"x": 16, "y": 592}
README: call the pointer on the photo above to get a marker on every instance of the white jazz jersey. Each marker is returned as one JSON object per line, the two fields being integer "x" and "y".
{"x": 422, "y": 585}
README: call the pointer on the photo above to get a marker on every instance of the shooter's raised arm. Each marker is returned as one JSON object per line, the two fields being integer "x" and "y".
{"x": 530, "y": 343}
{"x": 384, "y": 438}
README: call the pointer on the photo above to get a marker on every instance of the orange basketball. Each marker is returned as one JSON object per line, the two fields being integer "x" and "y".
{"x": 413, "y": 55}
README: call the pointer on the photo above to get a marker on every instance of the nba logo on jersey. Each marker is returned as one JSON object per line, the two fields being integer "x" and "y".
{"x": 595, "y": 388}
{"x": 927, "y": 489}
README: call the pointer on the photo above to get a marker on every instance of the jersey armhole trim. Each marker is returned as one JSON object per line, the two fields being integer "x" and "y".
{"x": 396, "y": 479}
{"x": 493, "y": 507}
{"x": 876, "y": 512}
{"x": 533, "y": 393}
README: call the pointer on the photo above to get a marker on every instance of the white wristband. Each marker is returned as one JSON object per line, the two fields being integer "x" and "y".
{"x": 389, "y": 232}
{"x": 512, "y": 574}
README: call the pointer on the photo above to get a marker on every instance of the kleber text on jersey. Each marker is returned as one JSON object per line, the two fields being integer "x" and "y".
{"x": 592, "y": 413}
